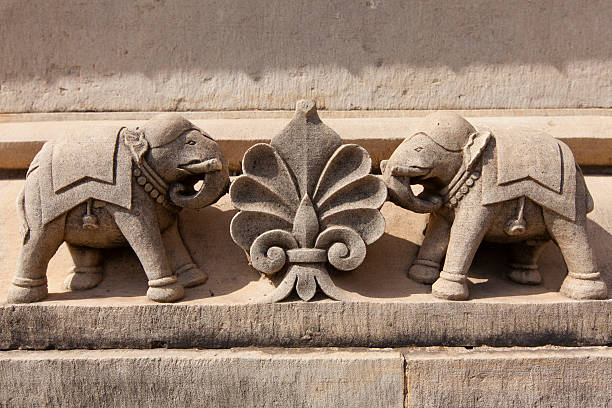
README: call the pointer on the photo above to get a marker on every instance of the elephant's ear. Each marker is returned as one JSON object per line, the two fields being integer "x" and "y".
{"x": 136, "y": 142}
{"x": 475, "y": 146}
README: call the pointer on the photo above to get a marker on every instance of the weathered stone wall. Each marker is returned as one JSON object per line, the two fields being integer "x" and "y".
{"x": 264, "y": 54}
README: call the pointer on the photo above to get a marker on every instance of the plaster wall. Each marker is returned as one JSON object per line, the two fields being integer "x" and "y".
{"x": 163, "y": 55}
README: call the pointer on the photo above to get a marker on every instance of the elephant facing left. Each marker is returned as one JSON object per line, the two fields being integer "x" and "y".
{"x": 112, "y": 187}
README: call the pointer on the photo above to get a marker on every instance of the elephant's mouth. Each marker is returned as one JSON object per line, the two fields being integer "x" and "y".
{"x": 196, "y": 173}
{"x": 191, "y": 184}
{"x": 400, "y": 188}
{"x": 203, "y": 183}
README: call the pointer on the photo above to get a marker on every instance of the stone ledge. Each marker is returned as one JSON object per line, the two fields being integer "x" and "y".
{"x": 588, "y": 132}
{"x": 273, "y": 377}
{"x": 298, "y": 324}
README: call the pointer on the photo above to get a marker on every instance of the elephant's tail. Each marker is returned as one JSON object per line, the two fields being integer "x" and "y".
{"x": 589, "y": 203}
{"x": 24, "y": 228}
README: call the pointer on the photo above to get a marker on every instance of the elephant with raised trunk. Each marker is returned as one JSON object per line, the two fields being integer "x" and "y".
{"x": 113, "y": 187}
{"x": 522, "y": 188}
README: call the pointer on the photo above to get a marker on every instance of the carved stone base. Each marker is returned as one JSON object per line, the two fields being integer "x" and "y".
{"x": 323, "y": 323}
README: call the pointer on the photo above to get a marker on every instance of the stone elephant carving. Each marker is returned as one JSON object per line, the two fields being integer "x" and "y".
{"x": 523, "y": 189}
{"x": 110, "y": 188}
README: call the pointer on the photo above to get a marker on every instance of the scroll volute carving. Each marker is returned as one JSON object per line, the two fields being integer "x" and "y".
{"x": 307, "y": 203}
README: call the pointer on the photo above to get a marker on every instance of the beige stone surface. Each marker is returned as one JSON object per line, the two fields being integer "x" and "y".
{"x": 395, "y": 310}
{"x": 262, "y": 54}
{"x": 273, "y": 377}
{"x": 202, "y": 378}
{"x": 588, "y": 132}
{"x": 515, "y": 377}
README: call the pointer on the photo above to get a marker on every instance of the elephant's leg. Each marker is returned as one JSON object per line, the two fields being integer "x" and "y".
{"x": 468, "y": 230}
{"x": 141, "y": 230}
{"x": 87, "y": 271}
{"x": 426, "y": 266}
{"x": 583, "y": 280}
{"x": 30, "y": 280}
{"x": 524, "y": 262}
{"x": 182, "y": 264}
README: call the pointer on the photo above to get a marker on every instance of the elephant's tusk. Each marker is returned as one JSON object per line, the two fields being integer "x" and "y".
{"x": 205, "y": 166}
{"x": 409, "y": 171}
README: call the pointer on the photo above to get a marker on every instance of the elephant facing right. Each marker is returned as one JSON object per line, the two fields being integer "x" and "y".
{"x": 521, "y": 188}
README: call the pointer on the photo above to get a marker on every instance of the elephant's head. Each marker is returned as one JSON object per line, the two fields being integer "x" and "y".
{"x": 187, "y": 159}
{"x": 442, "y": 145}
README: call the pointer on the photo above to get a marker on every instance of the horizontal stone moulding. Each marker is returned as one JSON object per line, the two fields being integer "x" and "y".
{"x": 588, "y": 132}
{"x": 301, "y": 324}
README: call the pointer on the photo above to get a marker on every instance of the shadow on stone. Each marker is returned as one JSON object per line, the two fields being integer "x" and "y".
{"x": 123, "y": 276}
{"x": 208, "y": 238}
{"x": 383, "y": 273}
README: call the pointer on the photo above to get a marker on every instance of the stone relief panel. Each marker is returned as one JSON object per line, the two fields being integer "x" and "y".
{"x": 307, "y": 208}
{"x": 116, "y": 187}
{"x": 518, "y": 187}
{"x": 307, "y": 205}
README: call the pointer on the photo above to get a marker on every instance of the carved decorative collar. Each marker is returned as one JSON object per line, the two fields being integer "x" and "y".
{"x": 468, "y": 173}
{"x": 459, "y": 187}
{"x": 153, "y": 185}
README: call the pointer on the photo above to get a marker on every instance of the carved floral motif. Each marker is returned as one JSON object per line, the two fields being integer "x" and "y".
{"x": 306, "y": 201}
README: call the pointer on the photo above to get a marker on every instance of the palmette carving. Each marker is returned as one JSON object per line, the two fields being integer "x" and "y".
{"x": 307, "y": 201}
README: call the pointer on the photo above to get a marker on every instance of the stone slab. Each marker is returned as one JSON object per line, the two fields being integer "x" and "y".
{"x": 587, "y": 132}
{"x": 515, "y": 377}
{"x": 266, "y": 54}
{"x": 202, "y": 378}
{"x": 392, "y": 310}
{"x": 273, "y": 377}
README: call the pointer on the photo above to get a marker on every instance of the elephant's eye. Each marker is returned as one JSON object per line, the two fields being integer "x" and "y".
{"x": 191, "y": 142}
{"x": 418, "y": 149}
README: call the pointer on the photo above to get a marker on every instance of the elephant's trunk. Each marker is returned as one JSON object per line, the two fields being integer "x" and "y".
{"x": 400, "y": 192}
{"x": 398, "y": 179}
{"x": 215, "y": 179}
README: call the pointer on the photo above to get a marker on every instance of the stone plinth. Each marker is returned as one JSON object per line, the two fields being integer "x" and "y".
{"x": 390, "y": 378}
{"x": 219, "y": 378}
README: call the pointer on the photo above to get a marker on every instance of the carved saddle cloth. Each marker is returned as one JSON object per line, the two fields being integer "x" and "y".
{"x": 534, "y": 165}
{"x": 93, "y": 165}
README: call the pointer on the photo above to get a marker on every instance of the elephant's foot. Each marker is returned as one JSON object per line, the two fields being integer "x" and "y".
{"x": 424, "y": 271}
{"x": 190, "y": 275}
{"x": 450, "y": 286}
{"x": 83, "y": 277}
{"x": 165, "y": 290}
{"x": 584, "y": 286}
{"x": 23, "y": 290}
{"x": 525, "y": 274}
